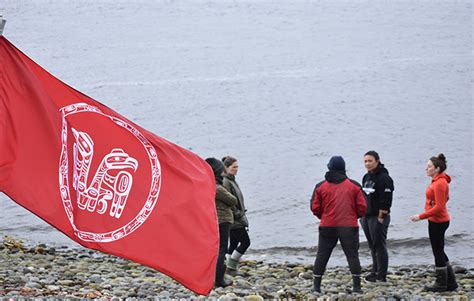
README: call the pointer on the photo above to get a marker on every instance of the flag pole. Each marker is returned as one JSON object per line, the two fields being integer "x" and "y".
{"x": 2, "y": 24}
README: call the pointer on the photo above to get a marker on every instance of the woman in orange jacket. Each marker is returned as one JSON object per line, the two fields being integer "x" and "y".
{"x": 437, "y": 195}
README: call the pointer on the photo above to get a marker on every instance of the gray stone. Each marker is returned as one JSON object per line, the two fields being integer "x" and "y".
{"x": 119, "y": 293}
{"x": 33, "y": 285}
{"x": 164, "y": 295}
{"x": 29, "y": 270}
{"x": 96, "y": 278}
{"x": 459, "y": 270}
{"x": 66, "y": 282}
{"x": 307, "y": 275}
{"x": 53, "y": 287}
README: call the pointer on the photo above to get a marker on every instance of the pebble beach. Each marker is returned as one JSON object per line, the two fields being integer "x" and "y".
{"x": 45, "y": 272}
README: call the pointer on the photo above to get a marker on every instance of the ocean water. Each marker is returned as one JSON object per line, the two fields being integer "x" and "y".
{"x": 282, "y": 86}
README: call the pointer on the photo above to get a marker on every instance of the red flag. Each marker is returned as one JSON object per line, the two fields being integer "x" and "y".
{"x": 105, "y": 182}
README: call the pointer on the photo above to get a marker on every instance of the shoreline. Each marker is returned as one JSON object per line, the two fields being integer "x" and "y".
{"x": 41, "y": 271}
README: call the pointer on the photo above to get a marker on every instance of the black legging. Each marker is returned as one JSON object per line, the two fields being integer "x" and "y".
{"x": 239, "y": 235}
{"x": 436, "y": 232}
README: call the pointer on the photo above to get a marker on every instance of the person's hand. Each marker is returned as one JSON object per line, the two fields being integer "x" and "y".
{"x": 381, "y": 216}
{"x": 415, "y": 218}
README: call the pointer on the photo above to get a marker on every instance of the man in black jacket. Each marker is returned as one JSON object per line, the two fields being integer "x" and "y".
{"x": 378, "y": 187}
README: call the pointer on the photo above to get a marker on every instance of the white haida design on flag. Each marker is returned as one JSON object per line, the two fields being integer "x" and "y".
{"x": 112, "y": 181}
{"x": 107, "y": 192}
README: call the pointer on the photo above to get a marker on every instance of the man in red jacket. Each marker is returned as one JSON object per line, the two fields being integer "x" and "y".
{"x": 338, "y": 202}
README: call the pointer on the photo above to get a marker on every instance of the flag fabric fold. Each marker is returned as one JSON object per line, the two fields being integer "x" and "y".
{"x": 102, "y": 180}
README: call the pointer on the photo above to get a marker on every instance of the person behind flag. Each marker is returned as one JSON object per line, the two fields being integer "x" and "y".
{"x": 338, "y": 202}
{"x": 437, "y": 195}
{"x": 224, "y": 203}
{"x": 378, "y": 187}
{"x": 239, "y": 237}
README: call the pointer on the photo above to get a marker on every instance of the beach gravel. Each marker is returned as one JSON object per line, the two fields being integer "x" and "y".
{"x": 75, "y": 273}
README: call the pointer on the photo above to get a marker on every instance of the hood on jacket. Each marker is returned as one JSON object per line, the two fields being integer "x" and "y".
{"x": 336, "y": 177}
{"x": 442, "y": 176}
{"x": 217, "y": 167}
{"x": 380, "y": 169}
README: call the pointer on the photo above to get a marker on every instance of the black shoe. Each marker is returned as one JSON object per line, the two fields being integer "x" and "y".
{"x": 223, "y": 283}
{"x": 381, "y": 279}
{"x": 220, "y": 278}
{"x": 372, "y": 277}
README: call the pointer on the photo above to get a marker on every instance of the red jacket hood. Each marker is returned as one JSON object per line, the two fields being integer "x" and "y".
{"x": 442, "y": 176}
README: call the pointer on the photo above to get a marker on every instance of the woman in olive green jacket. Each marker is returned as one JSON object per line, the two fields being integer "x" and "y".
{"x": 224, "y": 202}
{"x": 239, "y": 237}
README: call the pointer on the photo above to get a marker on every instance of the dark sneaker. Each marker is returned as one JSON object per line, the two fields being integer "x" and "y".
{"x": 372, "y": 277}
{"x": 223, "y": 283}
{"x": 381, "y": 279}
{"x": 452, "y": 287}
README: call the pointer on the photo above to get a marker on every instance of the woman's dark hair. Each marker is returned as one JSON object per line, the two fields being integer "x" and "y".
{"x": 439, "y": 161}
{"x": 373, "y": 154}
{"x": 228, "y": 161}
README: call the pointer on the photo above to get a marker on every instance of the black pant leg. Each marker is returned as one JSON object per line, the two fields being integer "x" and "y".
{"x": 244, "y": 240}
{"x": 326, "y": 243}
{"x": 349, "y": 238}
{"x": 365, "y": 222}
{"x": 223, "y": 241}
{"x": 233, "y": 241}
{"x": 436, "y": 233}
{"x": 380, "y": 244}
{"x": 239, "y": 240}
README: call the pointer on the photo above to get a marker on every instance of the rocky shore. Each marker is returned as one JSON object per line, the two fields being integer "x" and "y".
{"x": 42, "y": 271}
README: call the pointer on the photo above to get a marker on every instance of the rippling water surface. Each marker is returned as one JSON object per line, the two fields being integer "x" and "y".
{"x": 282, "y": 86}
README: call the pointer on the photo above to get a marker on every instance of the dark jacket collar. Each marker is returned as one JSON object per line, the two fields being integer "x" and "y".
{"x": 230, "y": 177}
{"x": 380, "y": 170}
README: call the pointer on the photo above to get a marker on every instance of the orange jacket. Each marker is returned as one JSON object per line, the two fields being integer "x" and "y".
{"x": 437, "y": 195}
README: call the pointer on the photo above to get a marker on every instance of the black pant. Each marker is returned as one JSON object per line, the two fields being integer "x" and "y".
{"x": 436, "y": 232}
{"x": 328, "y": 237}
{"x": 376, "y": 234}
{"x": 223, "y": 241}
{"x": 239, "y": 235}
